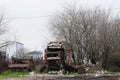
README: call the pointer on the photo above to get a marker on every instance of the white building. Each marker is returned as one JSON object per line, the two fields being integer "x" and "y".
{"x": 12, "y": 48}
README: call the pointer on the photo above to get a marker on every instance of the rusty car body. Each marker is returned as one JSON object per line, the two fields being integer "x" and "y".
{"x": 22, "y": 64}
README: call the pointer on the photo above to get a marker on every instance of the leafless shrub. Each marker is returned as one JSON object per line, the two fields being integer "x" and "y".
{"x": 3, "y": 29}
{"x": 92, "y": 34}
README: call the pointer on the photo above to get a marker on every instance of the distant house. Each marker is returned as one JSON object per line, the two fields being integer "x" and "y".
{"x": 36, "y": 54}
{"x": 12, "y": 47}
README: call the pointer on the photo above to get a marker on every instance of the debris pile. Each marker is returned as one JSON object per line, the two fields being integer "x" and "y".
{"x": 92, "y": 69}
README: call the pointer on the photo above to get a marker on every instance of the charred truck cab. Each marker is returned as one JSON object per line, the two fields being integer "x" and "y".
{"x": 54, "y": 56}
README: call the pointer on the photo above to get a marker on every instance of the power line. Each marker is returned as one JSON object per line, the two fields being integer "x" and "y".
{"x": 35, "y": 17}
{"x": 29, "y": 17}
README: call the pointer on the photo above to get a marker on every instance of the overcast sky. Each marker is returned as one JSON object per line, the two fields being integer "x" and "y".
{"x": 28, "y": 19}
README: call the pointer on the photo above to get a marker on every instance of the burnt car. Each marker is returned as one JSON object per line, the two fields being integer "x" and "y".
{"x": 22, "y": 64}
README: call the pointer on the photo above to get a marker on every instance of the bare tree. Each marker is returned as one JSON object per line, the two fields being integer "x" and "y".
{"x": 3, "y": 24}
{"x": 92, "y": 34}
{"x": 22, "y": 53}
{"x": 3, "y": 29}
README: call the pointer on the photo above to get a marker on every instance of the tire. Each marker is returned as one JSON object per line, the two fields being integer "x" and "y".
{"x": 43, "y": 69}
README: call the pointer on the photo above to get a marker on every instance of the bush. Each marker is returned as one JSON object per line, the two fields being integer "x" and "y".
{"x": 37, "y": 69}
{"x": 114, "y": 62}
{"x": 114, "y": 69}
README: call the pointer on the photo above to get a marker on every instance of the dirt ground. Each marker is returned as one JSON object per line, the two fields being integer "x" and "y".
{"x": 92, "y": 73}
{"x": 70, "y": 77}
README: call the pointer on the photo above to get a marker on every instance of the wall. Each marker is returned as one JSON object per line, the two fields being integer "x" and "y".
{"x": 13, "y": 48}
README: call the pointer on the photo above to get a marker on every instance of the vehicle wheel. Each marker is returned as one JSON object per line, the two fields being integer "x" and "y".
{"x": 43, "y": 69}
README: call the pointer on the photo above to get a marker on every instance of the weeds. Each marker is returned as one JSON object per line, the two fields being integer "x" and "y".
{"x": 12, "y": 74}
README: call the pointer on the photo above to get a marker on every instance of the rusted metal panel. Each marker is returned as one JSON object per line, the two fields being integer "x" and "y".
{"x": 55, "y": 45}
{"x": 68, "y": 54}
{"x": 18, "y": 65}
{"x": 45, "y": 57}
{"x": 54, "y": 52}
{"x": 53, "y": 58}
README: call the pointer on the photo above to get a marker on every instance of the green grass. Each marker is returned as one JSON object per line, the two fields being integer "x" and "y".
{"x": 37, "y": 69}
{"x": 52, "y": 72}
{"x": 72, "y": 74}
{"x": 11, "y": 74}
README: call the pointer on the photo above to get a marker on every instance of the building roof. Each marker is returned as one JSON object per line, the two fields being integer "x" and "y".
{"x": 14, "y": 42}
{"x": 35, "y": 52}
{"x": 9, "y": 43}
